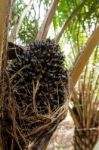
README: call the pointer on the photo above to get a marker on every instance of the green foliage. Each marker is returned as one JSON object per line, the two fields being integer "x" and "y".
{"x": 18, "y": 7}
{"x": 75, "y": 35}
{"x": 28, "y": 30}
{"x": 80, "y": 27}
{"x": 32, "y": 20}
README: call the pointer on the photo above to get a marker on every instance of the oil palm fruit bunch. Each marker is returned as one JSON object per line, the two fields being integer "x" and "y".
{"x": 85, "y": 115}
{"x": 40, "y": 68}
{"x": 37, "y": 78}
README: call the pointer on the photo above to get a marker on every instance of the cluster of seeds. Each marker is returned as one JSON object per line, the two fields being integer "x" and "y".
{"x": 38, "y": 77}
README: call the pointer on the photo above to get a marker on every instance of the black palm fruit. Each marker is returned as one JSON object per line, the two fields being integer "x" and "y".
{"x": 42, "y": 63}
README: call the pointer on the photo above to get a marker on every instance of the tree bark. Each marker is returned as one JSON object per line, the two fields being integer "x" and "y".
{"x": 5, "y": 10}
{"x": 3, "y": 13}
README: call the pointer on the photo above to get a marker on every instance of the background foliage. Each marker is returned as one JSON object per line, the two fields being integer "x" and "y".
{"x": 75, "y": 35}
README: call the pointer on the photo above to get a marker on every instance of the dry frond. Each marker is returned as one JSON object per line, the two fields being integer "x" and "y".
{"x": 85, "y": 113}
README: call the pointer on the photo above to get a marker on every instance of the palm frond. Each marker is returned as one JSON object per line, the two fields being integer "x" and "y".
{"x": 85, "y": 104}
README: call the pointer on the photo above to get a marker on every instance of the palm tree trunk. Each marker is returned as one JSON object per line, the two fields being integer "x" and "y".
{"x": 85, "y": 139}
{"x": 5, "y": 9}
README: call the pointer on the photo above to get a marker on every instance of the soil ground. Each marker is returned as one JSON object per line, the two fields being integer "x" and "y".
{"x": 63, "y": 136}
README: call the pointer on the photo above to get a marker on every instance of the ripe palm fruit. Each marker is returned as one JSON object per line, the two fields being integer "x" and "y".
{"x": 36, "y": 82}
{"x": 41, "y": 66}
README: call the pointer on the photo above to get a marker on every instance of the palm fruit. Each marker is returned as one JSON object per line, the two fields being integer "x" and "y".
{"x": 37, "y": 79}
{"x": 42, "y": 63}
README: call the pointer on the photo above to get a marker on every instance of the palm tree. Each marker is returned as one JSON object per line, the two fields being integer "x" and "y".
{"x": 12, "y": 135}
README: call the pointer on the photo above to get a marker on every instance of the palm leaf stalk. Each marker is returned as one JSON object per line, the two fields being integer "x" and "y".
{"x": 85, "y": 115}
